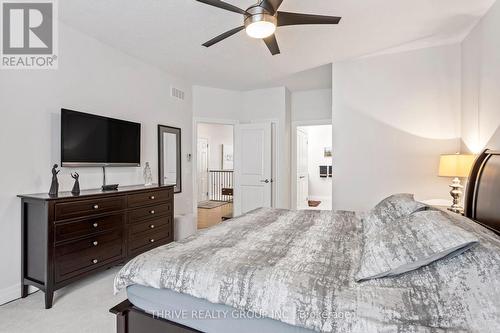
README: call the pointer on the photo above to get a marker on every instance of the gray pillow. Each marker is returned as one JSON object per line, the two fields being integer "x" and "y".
{"x": 411, "y": 242}
{"x": 396, "y": 206}
{"x": 390, "y": 209}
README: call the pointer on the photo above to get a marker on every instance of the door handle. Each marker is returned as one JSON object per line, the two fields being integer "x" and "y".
{"x": 302, "y": 177}
{"x": 265, "y": 181}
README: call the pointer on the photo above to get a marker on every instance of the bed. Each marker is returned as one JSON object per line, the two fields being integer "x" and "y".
{"x": 297, "y": 271}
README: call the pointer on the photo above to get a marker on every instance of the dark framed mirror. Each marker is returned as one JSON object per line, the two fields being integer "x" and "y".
{"x": 169, "y": 157}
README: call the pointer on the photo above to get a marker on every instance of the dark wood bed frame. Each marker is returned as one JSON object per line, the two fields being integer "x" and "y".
{"x": 482, "y": 204}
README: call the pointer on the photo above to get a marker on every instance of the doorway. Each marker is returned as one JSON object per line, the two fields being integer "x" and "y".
{"x": 313, "y": 167}
{"x": 214, "y": 173}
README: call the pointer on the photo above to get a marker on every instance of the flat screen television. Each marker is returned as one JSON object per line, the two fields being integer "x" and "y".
{"x": 91, "y": 140}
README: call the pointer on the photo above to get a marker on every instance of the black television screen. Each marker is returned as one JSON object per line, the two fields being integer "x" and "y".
{"x": 90, "y": 140}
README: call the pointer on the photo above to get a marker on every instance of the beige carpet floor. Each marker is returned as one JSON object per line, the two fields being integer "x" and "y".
{"x": 81, "y": 307}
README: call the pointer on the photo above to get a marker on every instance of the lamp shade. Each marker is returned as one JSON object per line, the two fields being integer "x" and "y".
{"x": 457, "y": 165}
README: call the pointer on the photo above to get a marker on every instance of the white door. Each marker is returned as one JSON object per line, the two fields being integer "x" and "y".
{"x": 202, "y": 169}
{"x": 302, "y": 170}
{"x": 254, "y": 166}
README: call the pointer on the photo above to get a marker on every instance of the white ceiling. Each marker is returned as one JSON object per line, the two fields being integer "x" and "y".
{"x": 169, "y": 34}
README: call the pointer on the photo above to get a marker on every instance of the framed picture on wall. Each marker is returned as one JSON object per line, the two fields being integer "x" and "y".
{"x": 227, "y": 157}
{"x": 328, "y": 151}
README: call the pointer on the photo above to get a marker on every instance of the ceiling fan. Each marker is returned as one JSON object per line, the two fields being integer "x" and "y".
{"x": 262, "y": 19}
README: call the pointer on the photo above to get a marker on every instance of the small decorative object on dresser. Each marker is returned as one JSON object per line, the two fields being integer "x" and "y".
{"x": 68, "y": 237}
{"x": 148, "y": 176}
{"x": 54, "y": 186}
{"x": 456, "y": 166}
{"x": 76, "y": 187}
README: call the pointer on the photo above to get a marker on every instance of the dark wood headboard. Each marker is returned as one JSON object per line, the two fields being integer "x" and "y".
{"x": 482, "y": 199}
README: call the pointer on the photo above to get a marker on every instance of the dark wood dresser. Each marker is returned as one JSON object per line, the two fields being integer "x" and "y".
{"x": 68, "y": 237}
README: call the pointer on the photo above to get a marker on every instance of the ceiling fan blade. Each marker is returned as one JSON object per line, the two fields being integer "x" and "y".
{"x": 285, "y": 18}
{"x": 272, "y": 44}
{"x": 271, "y": 5}
{"x": 223, "y": 36}
{"x": 223, "y": 5}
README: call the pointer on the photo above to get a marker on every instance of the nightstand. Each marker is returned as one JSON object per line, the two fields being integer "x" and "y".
{"x": 441, "y": 204}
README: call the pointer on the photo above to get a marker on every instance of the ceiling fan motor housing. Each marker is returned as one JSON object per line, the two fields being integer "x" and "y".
{"x": 259, "y": 14}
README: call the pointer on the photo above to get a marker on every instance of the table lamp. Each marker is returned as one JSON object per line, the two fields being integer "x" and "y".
{"x": 456, "y": 166}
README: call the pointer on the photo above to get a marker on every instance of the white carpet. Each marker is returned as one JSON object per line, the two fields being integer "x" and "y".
{"x": 81, "y": 307}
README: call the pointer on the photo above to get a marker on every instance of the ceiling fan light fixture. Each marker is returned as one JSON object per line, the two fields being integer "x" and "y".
{"x": 262, "y": 19}
{"x": 260, "y": 29}
{"x": 260, "y": 26}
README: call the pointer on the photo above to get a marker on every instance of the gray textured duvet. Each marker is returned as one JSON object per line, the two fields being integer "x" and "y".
{"x": 300, "y": 266}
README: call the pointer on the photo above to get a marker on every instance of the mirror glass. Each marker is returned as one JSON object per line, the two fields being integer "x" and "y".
{"x": 169, "y": 142}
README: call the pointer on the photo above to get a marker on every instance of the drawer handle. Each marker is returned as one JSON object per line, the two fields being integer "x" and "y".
{"x": 96, "y": 207}
{"x": 152, "y": 197}
{"x": 152, "y": 226}
{"x": 95, "y": 261}
{"x": 152, "y": 212}
{"x": 95, "y": 243}
{"x": 152, "y": 240}
{"x": 95, "y": 225}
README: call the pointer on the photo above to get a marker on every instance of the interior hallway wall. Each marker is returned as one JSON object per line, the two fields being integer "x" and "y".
{"x": 310, "y": 105}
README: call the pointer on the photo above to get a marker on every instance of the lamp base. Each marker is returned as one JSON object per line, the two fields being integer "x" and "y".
{"x": 456, "y": 194}
{"x": 456, "y": 210}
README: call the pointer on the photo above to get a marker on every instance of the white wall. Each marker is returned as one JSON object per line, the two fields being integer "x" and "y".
{"x": 481, "y": 84}
{"x": 393, "y": 115}
{"x": 319, "y": 137}
{"x": 220, "y": 104}
{"x": 91, "y": 77}
{"x": 312, "y": 105}
{"x": 217, "y": 136}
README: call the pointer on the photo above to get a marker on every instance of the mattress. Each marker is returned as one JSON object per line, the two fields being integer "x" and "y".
{"x": 203, "y": 315}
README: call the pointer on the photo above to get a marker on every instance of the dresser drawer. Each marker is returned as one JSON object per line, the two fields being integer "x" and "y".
{"x": 150, "y": 239}
{"x": 141, "y": 214}
{"x": 74, "y": 209}
{"x": 142, "y": 199}
{"x": 87, "y": 259}
{"x": 150, "y": 225}
{"x": 76, "y": 229}
{"x": 94, "y": 242}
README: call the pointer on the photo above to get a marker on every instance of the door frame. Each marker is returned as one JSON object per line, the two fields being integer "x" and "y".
{"x": 297, "y": 181}
{"x": 208, "y": 163}
{"x": 293, "y": 180}
{"x": 194, "y": 155}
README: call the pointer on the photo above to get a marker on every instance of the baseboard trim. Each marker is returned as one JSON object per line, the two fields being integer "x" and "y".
{"x": 13, "y": 292}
